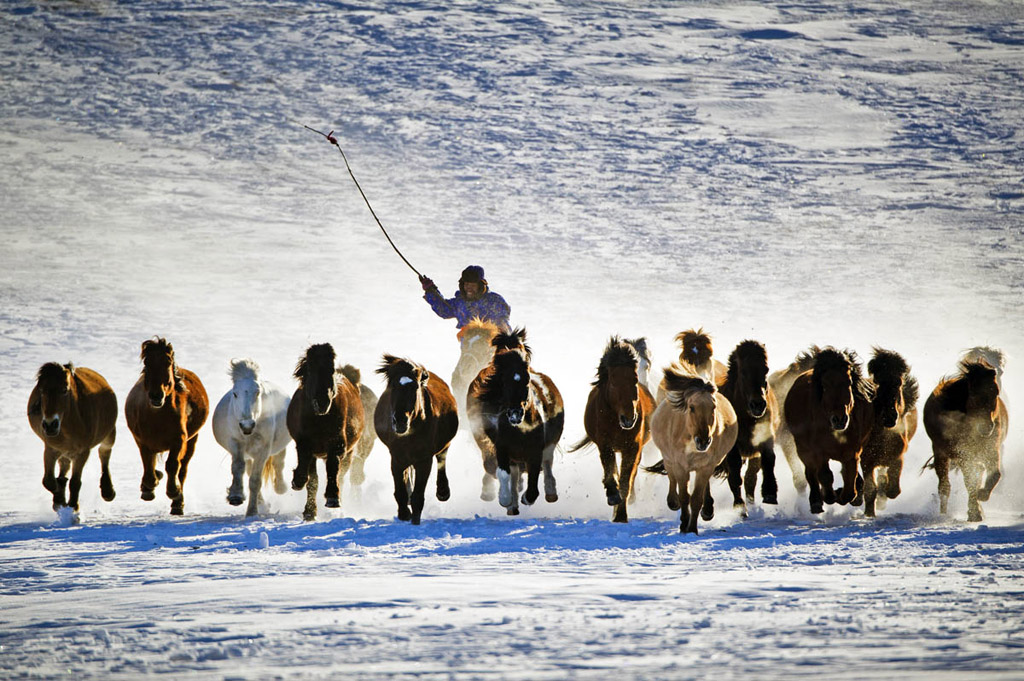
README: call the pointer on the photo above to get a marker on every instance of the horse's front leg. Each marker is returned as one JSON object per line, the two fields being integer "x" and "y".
{"x": 827, "y": 481}
{"x": 106, "y": 483}
{"x": 611, "y": 486}
{"x": 687, "y": 515}
{"x": 851, "y": 474}
{"x": 444, "y": 492}
{"x": 332, "y": 492}
{"x": 814, "y": 487}
{"x": 178, "y": 502}
{"x": 734, "y": 463}
{"x": 627, "y": 474}
{"x": 533, "y": 466}
{"x": 972, "y": 472}
{"x": 490, "y": 462}
{"x": 504, "y": 474}
{"x": 398, "y": 475}
{"x": 304, "y": 453}
{"x": 255, "y": 484}
{"x": 700, "y": 487}
{"x": 941, "y": 459}
{"x": 422, "y": 467}
{"x": 769, "y": 483}
{"x": 870, "y": 488}
{"x": 75, "y": 483}
{"x": 236, "y": 494}
{"x": 550, "y": 486}
{"x": 50, "y": 457}
{"x": 672, "y": 500}
{"x": 312, "y": 483}
{"x": 173, "y": 465}
{"x": 894, "y": 472}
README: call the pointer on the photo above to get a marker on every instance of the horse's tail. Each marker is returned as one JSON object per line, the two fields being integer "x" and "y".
{"x": 585, "y": 442}
{"x": 269, "y": 472}
{"x": 722, "y": 469}
{"x": 658, "y": 468}
{"x": 351, "y": 373}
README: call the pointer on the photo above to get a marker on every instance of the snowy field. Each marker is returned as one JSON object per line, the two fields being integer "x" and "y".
{"x": 822, "y": 172}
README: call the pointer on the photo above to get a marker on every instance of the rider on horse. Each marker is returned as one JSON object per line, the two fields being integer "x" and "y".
{"x": 473, "y": 299}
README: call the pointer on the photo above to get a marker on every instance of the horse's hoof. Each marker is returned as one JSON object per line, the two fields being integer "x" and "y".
{"x": 159, "y": 475}
{"x": 741, "y": 509}
{"x": 280, "y": 486}
{"x": 332, "y": 502}
{"x": 983, "y": 495}
{"x": 236, "y": 499}
{"x": 404, "y": 515}
{"x": 614, "y": 499}
{"x": 108, "y": 493}
{"x": 487, "y": 495}
{"x": 673, "y": 506}
{"x": 147, "y": 495}
{"x": 528, "y": 499}
{"x": 551, "y": 498}
{"x": 173, "y": 491}
{"x": 620, "y": 518}
{"x": 177, "y": 510}
{"x": 869, "y": 512}
{"x": 512, "y": 511}
{"x": 444, "y": 495}
{"x": 707, "y": 514}
{"x": 817, "y": 509}
{"x": 772, "y": 499}
{"x": 416, "y": 520}
{"x": 309, "y": 517}
{"x": 297, "y": 486}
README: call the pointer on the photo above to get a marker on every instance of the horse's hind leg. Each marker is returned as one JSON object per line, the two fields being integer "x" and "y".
{"x": 106, "y": 482}
{"x": 826, "y": 479}
{"x": 312, "y": 482}
{"x": 550, "y": 487}
{"x": 444, "y": 492}
{"x": 992, "y": 476}
{"x": 419, "y": 489}
{"x": 870, "y": 488}
{"x": 280, "y": 486}
{"x": 784, "y": 439}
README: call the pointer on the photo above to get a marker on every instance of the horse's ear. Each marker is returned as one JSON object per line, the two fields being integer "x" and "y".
{"x": 424, "y": 376}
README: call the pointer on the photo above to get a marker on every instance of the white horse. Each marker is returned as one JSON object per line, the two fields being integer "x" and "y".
{"x": 250, "y": 422}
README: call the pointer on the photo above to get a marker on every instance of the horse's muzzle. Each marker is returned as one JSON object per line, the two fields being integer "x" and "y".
{"x": 247, "y": 427}
{"x": 702, "y": 444}
{"x": 839, "y": 422}
{"x": 51, "y": 428}
{"x": 890, "y": 418}
{"x": 515, "y": 416}
{"x": 757, "y": 407}
{"x": 319, "y": 408}
{"x": 627, "y": 422}
{"x": 156, "y": 401}
{"x": 400, "y": 424}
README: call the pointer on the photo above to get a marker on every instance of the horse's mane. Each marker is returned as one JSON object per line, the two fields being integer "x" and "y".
{"x": 489, "y": 388}
{"x": 640, "y": 346}
{"x": 393, "y": 367}
{"x": 994, "y": 357}
{"x": 477, "y": 325}
{"x": 512, "y": 340}
{"x": 831, "y": 359}
{"x": 887, "y": 366}
{"x": 953, "y": 391}
{"x": 618, "y": 353}
{"x": 244, "y": 368}
{"x": 746, "y": 351}
{"x": 804, "y": 361}
{"x": 321, "y": 353}
{"x": 159, "y": 344}
{"x": 696, "y": 346}
{"x": 681, "y": 386}
{"x": 350, "y": 372}
{"x": 54, "y": 371}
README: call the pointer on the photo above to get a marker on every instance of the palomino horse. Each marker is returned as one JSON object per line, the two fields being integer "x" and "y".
{"x": 516, "y": 415}
{"x": 829, "y": 413}
{"x": 618, "y": 419}
{"x": 72, "y": 409}
{"x": 250, "y": 422}
{"x": 325, "y": 418}
{"x": 475, "y": 353}
{"x": 695, "y": 427}
{"x": 696, "y": 359}
{"x": 893, "y": 424}
{"x": 967, "y": 422}
{"x": 757, "y": 415}
{"x": 416, "y": 418}
{"x": 165, "y": 410}
{"x": 780, "y": 382}
{"x": 356, "y": 474}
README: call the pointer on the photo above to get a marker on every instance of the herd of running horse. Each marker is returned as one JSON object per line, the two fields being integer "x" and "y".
{"x": 705, "y": 417}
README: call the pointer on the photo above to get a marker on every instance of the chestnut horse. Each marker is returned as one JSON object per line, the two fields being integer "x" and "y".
{"x": 416, "y": 418}
{"x": 516, "y": 415}
{"x": 72, "y": 409}
{"x": 356, "y": 474}
{"x": 618, "y": 419}
{"x": 829, "y": 412}
{"x": 967, "y": 421}
{"x": 757, "y": 415}
{"x": 475, "y": 352}
{"x": 249, "y": 422}
{"x": 325, "y": 418}
{"x": 165, "y": 410}
{"x": 894, "y": 422}
{"x": 695, "y": 427}
{"x": 696, "y": 358}
{"x": 780, "y": 382}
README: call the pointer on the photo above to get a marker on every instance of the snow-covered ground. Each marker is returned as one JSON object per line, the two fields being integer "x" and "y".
{"x": 798, "y": 173}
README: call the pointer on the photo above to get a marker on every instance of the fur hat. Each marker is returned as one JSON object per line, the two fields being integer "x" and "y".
{"x": 474, "y": 274}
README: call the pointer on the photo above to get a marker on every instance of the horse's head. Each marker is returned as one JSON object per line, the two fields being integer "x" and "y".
{"x": 695, "y": 347}
{"x": 617, "y": 377}
{"x": 895, "y": 388}
{"x": 982, "y": 395}
{"x": 510, "y": 384}
{"x": 55, "y": 383}
{"x": 159, "y": 372}
{"x": 836, "y": 377}
{"x": 695, "y": 399}
{"x": 748, "y": 371}
{"x": 315, "y": 373}
{"x": 246, "y": 394}
{"x": 406, "y": 383}
{"x": 513, "y": 340}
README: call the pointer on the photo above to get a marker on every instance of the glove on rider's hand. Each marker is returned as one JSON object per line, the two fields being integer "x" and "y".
{"x": 426, "y": 282}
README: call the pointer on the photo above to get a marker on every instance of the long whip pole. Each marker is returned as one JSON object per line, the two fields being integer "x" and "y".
{"x": 333, "y": 140}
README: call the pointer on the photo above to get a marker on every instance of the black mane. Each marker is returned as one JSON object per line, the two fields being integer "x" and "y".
{"x": 831, "y": 359}
{"x": 320, "y": 354}
{"x": 747, "y": 352}
{"x": 513, "y": 340}
{"x": 954, "y": 391}
{"x": 887, "y": 366}
{"x": 617, "y": 353}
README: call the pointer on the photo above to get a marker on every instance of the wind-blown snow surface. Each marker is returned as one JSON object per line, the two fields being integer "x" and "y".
{"x": 822, "y": 173}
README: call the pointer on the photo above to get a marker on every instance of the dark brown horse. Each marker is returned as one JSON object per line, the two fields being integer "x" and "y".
{"x": 828, "y": 410}
{"x": 325, "y": 419}
{"x": 165, "y": 410}
{"x": 757, "y": 414}
{"x": 967, "y": 422}
{"x": 894, "y": 423}
{"x": 618, "y": 419}
{"x": 416, "y": 418}
{"x": 72, "y": 409}
{"x": 516, "y": 413}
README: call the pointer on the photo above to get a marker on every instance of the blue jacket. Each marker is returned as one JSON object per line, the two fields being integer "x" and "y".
{"x": 489, "y": 306}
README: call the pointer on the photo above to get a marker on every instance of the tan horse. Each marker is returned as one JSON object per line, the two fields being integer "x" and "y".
{"x": 72, "y": 409}
{"x": 696, "y": 357}
{"x": 695, "y": 427}
{"x": 165, "y": 410}
{"x": 475, "y": 352}
{"x": 967, "y": 422}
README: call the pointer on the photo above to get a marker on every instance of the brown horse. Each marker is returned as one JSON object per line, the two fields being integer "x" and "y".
{"x": 829, "y": 413}
{"x": 695, "y": 427}
{"x": 357, "y": 475}
{"x": 416, "y": 418}
{"x": 894, "y": 423}
{"x": 780, "y": 382}
{"x": 516, "y": 415}
{"x": 696, "y": 357}
{"x": 757, "y": 414}
{"x": 165, "y": 410}
{"x": 325, "y": 419}
{"x": 967, "y": 422}
{"x": 72, "y": 409}
{"x": 618, "y": 419}
{"x": 475, "y": 352}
